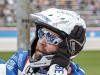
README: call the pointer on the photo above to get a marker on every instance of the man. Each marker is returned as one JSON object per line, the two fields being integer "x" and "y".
{"x": 59, "y": 37}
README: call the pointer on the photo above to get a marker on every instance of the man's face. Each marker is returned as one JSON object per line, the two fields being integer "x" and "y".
{"x": 43, "y": 46}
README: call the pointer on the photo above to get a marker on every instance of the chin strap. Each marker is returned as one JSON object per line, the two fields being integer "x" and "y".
{"x": 40, "y": 61}
{"x": 36, "y": 63}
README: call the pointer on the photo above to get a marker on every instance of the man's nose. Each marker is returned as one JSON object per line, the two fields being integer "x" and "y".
{"x": 42, "y": 41}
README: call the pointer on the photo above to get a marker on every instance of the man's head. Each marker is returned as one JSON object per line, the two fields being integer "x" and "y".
{"x": 52, "y": 28}
{"x": 48, "y": 42}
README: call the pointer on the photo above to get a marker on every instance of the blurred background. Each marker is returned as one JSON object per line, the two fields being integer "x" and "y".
{"x": 89, "y": 10}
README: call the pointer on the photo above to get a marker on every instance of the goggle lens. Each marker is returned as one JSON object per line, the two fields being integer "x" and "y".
{"x": 50, "y": 38}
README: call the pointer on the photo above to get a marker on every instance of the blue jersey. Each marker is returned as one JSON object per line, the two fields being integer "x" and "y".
{"x": 18, "y": 61}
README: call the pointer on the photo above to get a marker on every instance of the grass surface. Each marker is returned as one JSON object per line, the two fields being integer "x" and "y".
{"x": 88, "y": 60}
{"x": 6, "y": 55}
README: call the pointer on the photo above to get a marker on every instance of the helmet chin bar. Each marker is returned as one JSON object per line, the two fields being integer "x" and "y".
{"x": 40, "y": 61}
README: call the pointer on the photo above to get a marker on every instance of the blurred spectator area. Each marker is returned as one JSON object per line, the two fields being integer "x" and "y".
{"x": 88, "y": 9}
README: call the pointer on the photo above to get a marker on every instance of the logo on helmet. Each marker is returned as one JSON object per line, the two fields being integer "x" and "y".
{"x": 44, "y": 18}
{"x": 60, "y": 22}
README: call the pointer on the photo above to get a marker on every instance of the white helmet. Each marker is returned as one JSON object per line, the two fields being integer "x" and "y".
{"x": 57, "y": 20}
{"x": 64, "y": 20}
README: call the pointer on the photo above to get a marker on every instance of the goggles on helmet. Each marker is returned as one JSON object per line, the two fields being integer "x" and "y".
{"x": 50, "y": 38}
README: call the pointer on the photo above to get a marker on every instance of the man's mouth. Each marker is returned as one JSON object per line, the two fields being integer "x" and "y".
{"x": 39, "y": 52}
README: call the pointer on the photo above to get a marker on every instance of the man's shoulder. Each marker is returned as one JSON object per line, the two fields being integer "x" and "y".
{"x": 20, "y": 55}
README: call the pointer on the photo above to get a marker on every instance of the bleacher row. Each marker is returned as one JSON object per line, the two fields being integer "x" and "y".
{"x": 88, "y": 9}
{"x": 90, "y": 18}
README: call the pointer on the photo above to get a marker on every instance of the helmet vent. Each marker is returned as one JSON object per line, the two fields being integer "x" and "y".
{"x": 50, "y": 15}
{"x": 62, "y": 18}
